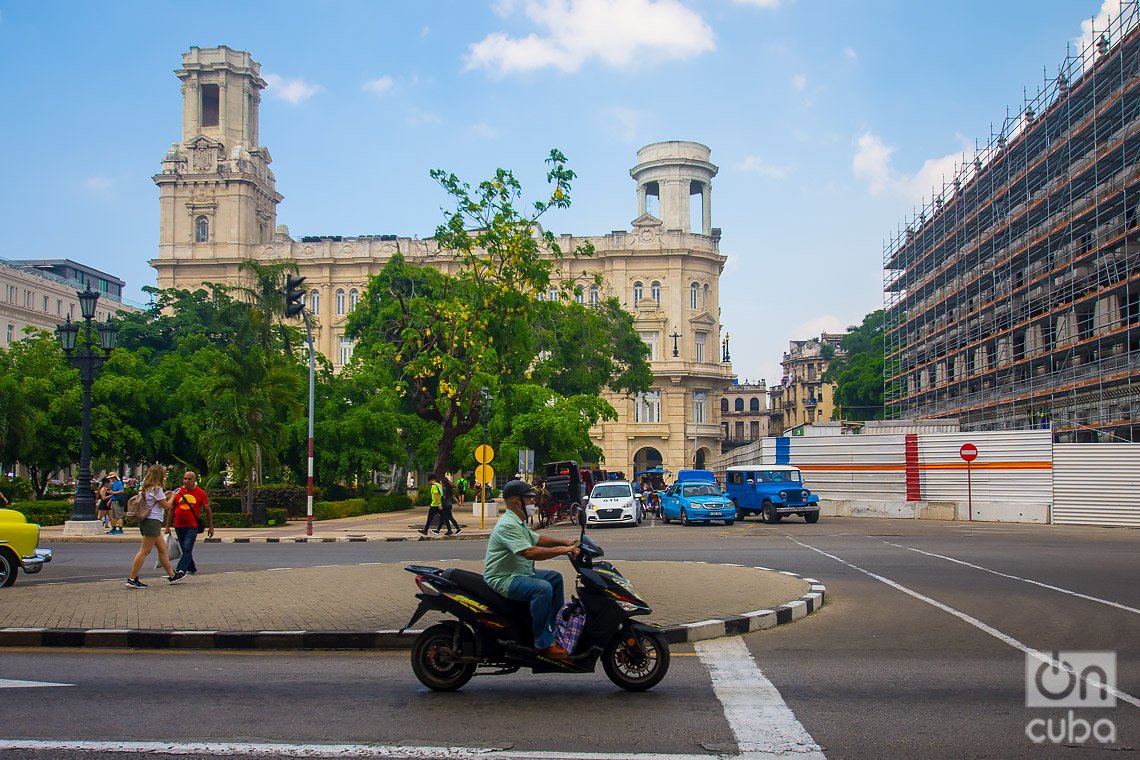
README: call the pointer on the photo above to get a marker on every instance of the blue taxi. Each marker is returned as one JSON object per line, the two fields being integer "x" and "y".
{"x": 696, "y": 497}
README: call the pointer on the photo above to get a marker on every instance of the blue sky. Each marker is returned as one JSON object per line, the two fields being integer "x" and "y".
{"x": 829, "y": 121}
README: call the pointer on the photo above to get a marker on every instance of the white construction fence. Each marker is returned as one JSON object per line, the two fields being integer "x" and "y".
{"x": 1018, "y": 476}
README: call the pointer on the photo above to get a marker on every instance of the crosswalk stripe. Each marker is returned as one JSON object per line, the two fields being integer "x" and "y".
{"x": 9, "y": 683}
{"x": 764, "y": 725}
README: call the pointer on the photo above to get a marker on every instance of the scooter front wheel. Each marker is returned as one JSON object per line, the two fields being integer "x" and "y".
{"x": 434, "y": 659}
{"x": 638, "y": 666}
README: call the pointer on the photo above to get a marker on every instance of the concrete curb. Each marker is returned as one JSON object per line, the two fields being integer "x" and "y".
{"x": 134, "y": 539}
{"x": 123, "y": 638}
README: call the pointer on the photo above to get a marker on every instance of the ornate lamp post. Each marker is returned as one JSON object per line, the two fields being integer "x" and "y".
{"x": 86, "y": 359}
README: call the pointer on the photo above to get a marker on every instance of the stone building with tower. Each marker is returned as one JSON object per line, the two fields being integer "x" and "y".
{"x": 218, "y": 206}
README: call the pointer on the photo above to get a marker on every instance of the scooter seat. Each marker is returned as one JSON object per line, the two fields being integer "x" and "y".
{"x": 474, "y": 584}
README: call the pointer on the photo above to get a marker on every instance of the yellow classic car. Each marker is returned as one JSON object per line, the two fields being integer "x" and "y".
{"x": 19, "y": 542}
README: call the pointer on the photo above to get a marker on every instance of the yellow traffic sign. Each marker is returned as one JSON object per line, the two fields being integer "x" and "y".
{"x": 484, "y": 474}
{"x": 484, "y": 454}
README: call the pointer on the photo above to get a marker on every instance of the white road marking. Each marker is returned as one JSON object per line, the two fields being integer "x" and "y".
{"x": 221, "y": 749}
{"x": 762, "y": 722}
{"x": 1041, "y": 656}
{"x": 8, "y": 683}
{"x": 1018, "y": 578}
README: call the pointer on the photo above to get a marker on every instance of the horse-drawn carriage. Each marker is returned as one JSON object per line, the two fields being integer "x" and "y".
{"x": 563, "y": 492}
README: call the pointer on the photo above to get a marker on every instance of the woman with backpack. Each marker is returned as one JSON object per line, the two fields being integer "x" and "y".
{"x": 150, "y": 526}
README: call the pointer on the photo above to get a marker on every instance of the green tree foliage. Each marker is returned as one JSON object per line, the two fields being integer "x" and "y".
{"x": 859, "y": 373}
{"x": 42, "y": 416}
{"x": 582, "y": 349}
{"x": 556, "y": 427}
{"x": 443, "y": 337}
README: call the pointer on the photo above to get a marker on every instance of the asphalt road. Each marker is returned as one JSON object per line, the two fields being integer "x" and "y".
{"x": 913, "y": 655}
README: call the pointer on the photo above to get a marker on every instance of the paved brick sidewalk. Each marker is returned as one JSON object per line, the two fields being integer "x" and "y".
{"x": 391, "y": 526}
{"x": 365, "y": 599}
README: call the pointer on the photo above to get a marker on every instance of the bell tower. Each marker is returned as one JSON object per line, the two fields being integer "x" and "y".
{"x": 670, "y": 175}
{"x": 217, "y": 194}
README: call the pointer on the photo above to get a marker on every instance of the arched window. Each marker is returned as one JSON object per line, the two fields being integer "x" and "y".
{"x": 638, "y": 292}
{"x": 552, "y": 294}
{"x": 754, "y": 405}
{"x": 655, "y": 292}
{"x": 739, "y": 405}
{"x": 579, "y": 296}
{"x": 201, "y": 230}
{"x": 593, "y": 295}
{"x": 339, "y": 301}
{"x": 353, "y": 299}
{"x": 723, "y": 405}
{"x": 694, "y": 295}
{"x": 315, "y": 302}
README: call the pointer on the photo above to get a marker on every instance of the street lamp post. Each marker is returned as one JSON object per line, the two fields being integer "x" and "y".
{"x": 87, "y": 360}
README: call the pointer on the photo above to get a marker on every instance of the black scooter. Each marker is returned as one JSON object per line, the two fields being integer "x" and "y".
{"x": 492, "y": 634}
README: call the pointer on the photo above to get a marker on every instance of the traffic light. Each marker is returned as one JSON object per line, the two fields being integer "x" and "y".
{"x": 294, "y": 296}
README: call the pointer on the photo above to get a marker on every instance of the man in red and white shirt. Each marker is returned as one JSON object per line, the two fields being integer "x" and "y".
{"x": 186, "y": 507}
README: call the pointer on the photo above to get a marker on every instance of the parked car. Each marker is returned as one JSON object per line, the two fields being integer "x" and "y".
{"x": 696, "y": 497}
{"x": 19, "y": 541}
{"x": 771, "y": 491}
{"x": 613, "y": 503}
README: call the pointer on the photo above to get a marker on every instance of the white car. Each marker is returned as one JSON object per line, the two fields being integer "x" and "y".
{"x": 613, "y": 503}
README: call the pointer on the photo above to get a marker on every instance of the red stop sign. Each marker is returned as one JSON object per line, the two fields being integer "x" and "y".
{"x": 969, "y": 452}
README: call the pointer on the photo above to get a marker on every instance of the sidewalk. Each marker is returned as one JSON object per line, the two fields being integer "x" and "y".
{"x": 360, "y": 606}
{"x": 388, "y": 526}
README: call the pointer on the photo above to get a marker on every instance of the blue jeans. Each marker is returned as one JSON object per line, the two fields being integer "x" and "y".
{"x": 186, "y": 539}
{"x": 544, "y": 592}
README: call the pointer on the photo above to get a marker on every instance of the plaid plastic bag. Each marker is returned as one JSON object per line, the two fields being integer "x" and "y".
{"x": 571, "y": 620}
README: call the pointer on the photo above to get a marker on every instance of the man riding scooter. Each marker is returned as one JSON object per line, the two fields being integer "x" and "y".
{"x": 508, "y": 567}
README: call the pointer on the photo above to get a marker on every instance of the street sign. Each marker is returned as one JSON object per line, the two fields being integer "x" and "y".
{"x": 484, "y": 454}
{"x": 969, "y": 452}
{"x": 526, "y": 460}
{"x": 484, "y": 475}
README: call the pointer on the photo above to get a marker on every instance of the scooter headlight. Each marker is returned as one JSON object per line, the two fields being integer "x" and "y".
{"x": 628, "y": 607}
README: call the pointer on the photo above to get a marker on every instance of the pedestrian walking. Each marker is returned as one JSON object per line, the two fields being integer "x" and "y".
{"x": 448, "y": 502}
{"x": 157, "y": 502}
{"x": 461, "y": 487}
{"x": 103, "y": 503}
{"x": 185, "y": 514}
{"x": 436, "y": 507}
{"x": 118, "y": 504}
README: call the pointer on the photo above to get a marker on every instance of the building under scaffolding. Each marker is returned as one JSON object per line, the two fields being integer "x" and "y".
{"x": 1013, "y": 297}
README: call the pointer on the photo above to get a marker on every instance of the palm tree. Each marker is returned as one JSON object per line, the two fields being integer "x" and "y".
{"x": 249, "y": 395}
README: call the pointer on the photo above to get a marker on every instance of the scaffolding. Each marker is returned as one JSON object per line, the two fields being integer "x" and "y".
{"x": 1013, "y": 296}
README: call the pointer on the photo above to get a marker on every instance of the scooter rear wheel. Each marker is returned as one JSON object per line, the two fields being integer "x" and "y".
{"x": 633, "y": 669}
{"x": 432, "y": 659}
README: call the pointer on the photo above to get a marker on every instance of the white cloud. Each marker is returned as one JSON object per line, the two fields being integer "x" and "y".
{"x": 850, "y": 54}
{"x": 800, "y": 82}
{"x": 817, "y": 325}
{"x": 757, "y": 165}
{"x": 291, "y": 90}
{"x": 418, "y": 117}
{"x": 484, "y": 131}
{"x": 380, "y": 85}
{"x": 761, "y": 3}
{"x": 425, "y": 31}
{"x": 872, "y": 164}
{"x": 1109, "y": 10}
{"x": 619, "y": 33}
{"x": 624, "y": 119}
{"x": 98, "y": 185}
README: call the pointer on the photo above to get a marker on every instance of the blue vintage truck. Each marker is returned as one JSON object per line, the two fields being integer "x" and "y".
{"x": 771, "y": 491}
